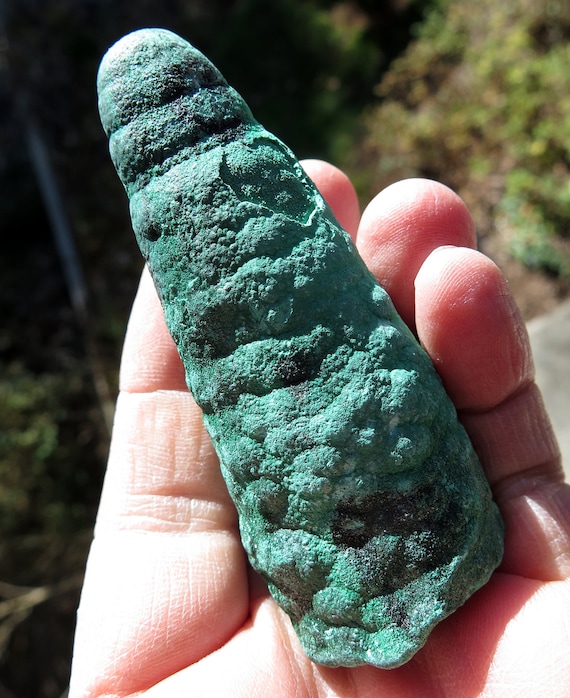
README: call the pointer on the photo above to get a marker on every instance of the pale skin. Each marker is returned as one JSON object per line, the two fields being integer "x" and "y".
{"x": 170, "y": 607}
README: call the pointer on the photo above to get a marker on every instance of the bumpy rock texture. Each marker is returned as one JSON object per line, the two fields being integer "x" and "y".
{"x": 360, "y": 498}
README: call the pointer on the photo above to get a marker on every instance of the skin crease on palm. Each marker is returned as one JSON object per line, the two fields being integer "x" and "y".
{"x": 170, "y": 607}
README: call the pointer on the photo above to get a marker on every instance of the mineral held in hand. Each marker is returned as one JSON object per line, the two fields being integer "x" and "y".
{"x": 360, "y": 498}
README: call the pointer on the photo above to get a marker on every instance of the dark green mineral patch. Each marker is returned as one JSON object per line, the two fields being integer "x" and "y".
{"x": 360, "y": 498}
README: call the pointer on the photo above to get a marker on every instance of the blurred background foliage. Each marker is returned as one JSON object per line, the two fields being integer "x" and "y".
{"x": 481, "y": 101}
{"x": 473, "y": 94}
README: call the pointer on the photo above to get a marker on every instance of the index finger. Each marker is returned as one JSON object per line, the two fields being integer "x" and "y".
{"x": 467, "y": 320}
{"x": 469, "y": 323}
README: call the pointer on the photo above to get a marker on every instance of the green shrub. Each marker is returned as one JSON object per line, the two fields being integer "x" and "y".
{"x": 481, "y": 101}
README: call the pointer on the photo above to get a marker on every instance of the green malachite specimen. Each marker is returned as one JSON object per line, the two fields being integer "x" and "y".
{"x": 360, "y": 498}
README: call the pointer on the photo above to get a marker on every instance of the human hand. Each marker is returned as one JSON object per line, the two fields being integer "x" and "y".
{"x": 170, "y": 606}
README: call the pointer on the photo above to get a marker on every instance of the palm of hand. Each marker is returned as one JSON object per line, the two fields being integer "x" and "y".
{"x": 170, "y": 606}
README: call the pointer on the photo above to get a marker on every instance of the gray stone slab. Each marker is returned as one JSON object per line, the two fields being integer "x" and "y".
{"x": 550, "y": 341}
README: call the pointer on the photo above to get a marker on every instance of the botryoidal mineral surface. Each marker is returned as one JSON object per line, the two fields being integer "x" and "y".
{"x": 360, "y": 498}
